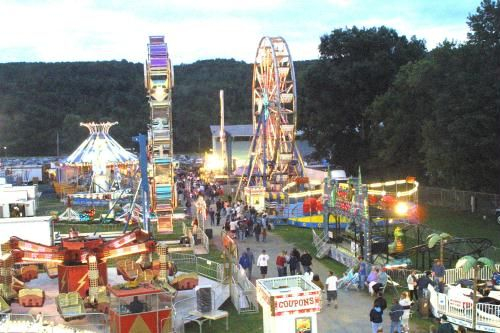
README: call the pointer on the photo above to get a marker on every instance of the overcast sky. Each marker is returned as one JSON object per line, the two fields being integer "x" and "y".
{"x": 89, "y": 30}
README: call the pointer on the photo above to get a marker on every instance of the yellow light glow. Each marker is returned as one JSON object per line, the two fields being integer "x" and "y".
{"x": 305, "y": 194}
{"x": 401, "y": 208}
{"x": 213, "y": 162}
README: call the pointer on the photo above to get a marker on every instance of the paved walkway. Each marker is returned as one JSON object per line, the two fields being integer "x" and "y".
{"x": 352, "y": 315}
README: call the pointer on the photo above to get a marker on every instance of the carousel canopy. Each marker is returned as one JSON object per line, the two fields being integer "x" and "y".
{"x": 100, "y": 148}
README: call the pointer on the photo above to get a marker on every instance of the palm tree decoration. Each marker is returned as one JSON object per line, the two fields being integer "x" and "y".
{"x": 468, "y": 262}
{"x": 433, "y": 239}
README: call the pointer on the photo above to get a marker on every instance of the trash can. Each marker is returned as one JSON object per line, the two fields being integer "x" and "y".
{"x": 423, "y": 304}
{"x": 209, "y": 233}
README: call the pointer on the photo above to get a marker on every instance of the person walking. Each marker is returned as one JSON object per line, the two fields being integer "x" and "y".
{"x": 411, "y": 280}
{"x": 445, "y": 326}
{"x": 296, "y": 254}
{"x": 251, "y": 259}
{"x": 306, "y": 261}
{"x": 257, "y": 229}
{"x": 287, "y": 261}
{"x": 245, "y": 262}
{"x": 293, "y": 262}
{"x": 317, "y": 281}
{"x": 211, "y": 211}
{"x": 194, "y": 230}
{"x": 380, "y": 301}
{"x": 362, "y": 272}
{"x": 438, "y": 273}
{"x": 395, "y": 314}
{"x": 280, "y": 264}
{"x": 376, "y": 318}
{"x": 331, "y": 289}
{"x": 262, "y": 263}
{"x": 264, "y": 234}
{"x": 422, "y": 284}
{"x": 406, "y": 303}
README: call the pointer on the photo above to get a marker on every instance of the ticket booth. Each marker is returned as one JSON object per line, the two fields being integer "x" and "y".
{"x": 289, "y": 304}
{"x": 255, "y": 196}
{"x": 145, "y": 309}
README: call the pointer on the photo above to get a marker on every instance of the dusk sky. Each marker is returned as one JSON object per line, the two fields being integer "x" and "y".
{"x": 90, "y": 30}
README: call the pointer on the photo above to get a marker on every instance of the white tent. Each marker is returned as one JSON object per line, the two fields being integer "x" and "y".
{"x": 100, "y": 149}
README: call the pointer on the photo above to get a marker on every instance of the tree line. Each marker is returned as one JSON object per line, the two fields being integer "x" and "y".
{"x": 373, "y": 99}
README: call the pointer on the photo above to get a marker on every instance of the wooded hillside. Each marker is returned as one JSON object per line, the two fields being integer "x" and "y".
{"x": 374, "y": 99}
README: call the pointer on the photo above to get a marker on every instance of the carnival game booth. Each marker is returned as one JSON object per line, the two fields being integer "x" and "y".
{"x": 289, "y": 304}
{"x": 141, "y": 310}
{"x": 98, "y": 165}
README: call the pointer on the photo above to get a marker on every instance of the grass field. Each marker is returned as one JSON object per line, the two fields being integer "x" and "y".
{"x": 462, "y": 224}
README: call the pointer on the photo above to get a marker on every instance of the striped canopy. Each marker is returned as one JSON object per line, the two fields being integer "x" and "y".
{"x": 100, "y": 148}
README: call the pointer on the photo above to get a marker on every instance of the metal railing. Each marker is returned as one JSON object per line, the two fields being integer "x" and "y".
{"x": 92, "y": 322}
{"x": 321, "y": 244}
{"x": 243, "y": 292}
{"x": 455, "y": 274}
{"x": 181, "y": 308}
{"x": 205, "y": 267}
{"x": 204, "y": 240}
{"x": 186, "y": 231}
{"x": 480, "y": 202}
{"x": 459, "y": 309}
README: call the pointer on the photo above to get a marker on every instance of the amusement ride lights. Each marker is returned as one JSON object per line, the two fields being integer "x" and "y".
{"x": 159, "y": 80}
{"x": 274, "y": 157}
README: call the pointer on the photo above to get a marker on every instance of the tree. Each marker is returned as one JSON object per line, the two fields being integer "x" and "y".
{"x": 434, "y": 238}
{"x": 356, "y": 65}
{"x": 468, "y": 262}
{"x": 485, "y": 25}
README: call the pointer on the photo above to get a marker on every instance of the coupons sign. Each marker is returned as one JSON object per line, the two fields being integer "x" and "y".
{"x": 307, "y": 302}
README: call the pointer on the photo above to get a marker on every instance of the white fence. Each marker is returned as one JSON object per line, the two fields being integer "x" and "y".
{"x": 93, "y": 322}
{"x": 459, "y": 308}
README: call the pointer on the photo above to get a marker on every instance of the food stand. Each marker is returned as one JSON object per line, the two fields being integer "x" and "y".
{"x": 145, "y": 309}
{"x": 255, "y": 197}
{"x": 289, "y": 304}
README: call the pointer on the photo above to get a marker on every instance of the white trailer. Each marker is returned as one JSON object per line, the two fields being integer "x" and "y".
{"x": 37, "y": 229}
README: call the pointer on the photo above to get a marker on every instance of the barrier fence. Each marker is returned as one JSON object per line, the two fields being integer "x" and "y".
{"x": 92, "y": 322}
{"x": 191, "y": 263}
{"x": 243, "y": 292}
{"x": 480, "y": 202}
{"x": 459, "y": 309}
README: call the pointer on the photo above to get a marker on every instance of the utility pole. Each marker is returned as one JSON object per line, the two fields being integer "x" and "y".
{"x": 57, "y": 142}
{"x": 222, "y": 133}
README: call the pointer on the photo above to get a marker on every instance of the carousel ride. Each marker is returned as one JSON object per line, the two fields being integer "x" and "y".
{"x": 274, "y": 160}
{"x": 96, "y": 168}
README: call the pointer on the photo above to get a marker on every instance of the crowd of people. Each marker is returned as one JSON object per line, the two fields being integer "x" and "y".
{"x": 205, "y": 204}
{"x": 401, "y": 308}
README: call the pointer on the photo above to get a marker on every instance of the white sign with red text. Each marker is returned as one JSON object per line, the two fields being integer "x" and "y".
{"x": 302, "y": 303}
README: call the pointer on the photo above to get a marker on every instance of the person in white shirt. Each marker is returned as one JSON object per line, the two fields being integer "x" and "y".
{"x": 262, "y": 263}
{"x": 331, "y": 289}
{"x": 308, "y": 275}
{"x": 406, "y": 303}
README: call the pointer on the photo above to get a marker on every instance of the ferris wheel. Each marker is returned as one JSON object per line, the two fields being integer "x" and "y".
{"x": 274, "y": 158}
